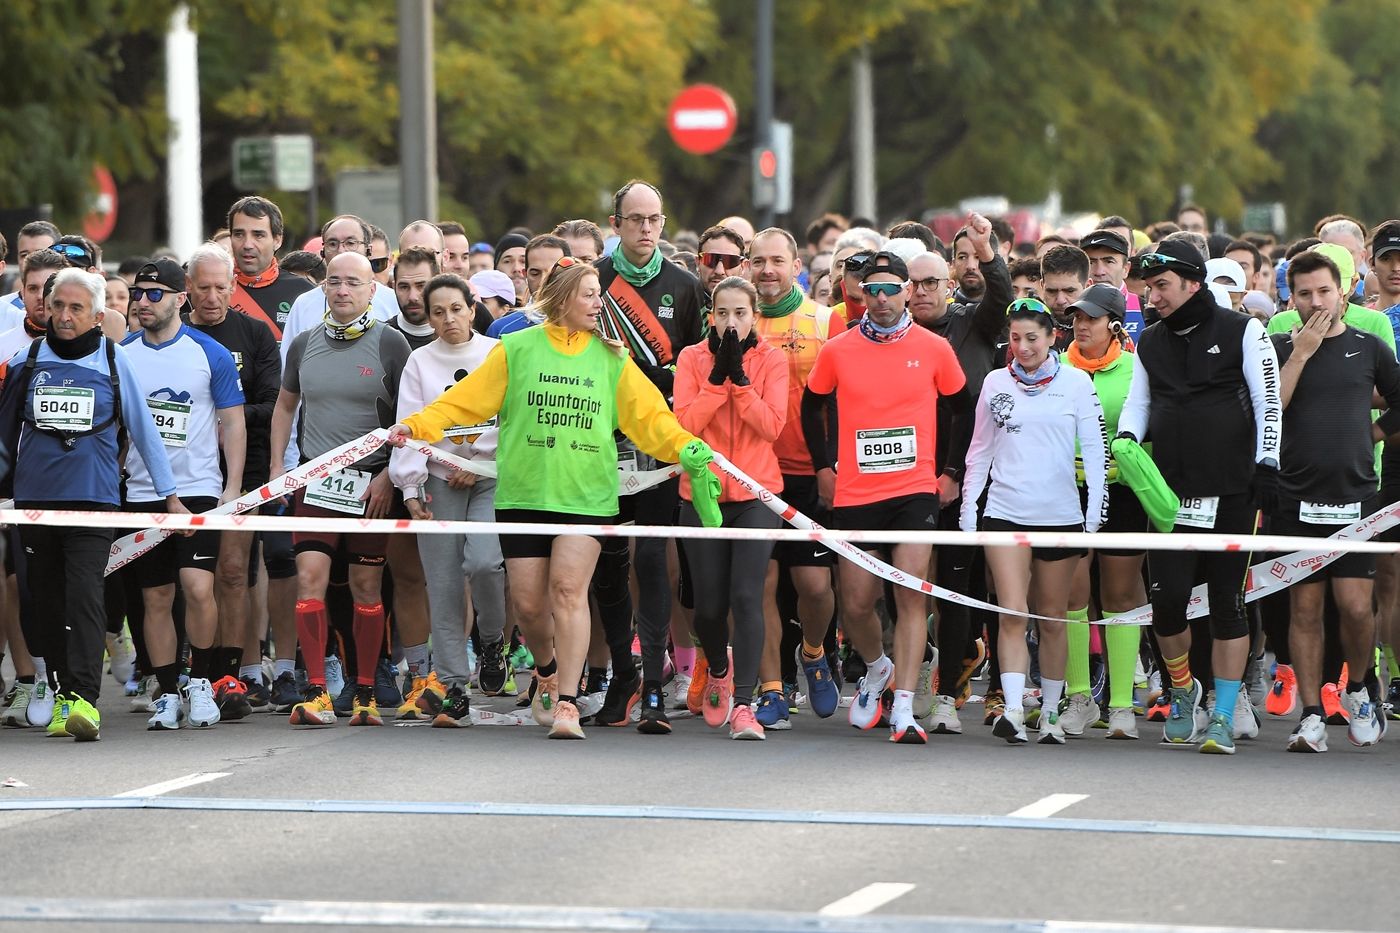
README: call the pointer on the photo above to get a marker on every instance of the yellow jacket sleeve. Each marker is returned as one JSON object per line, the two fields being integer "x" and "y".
{"x": 643, "y": 416}
{"x": 471, "y": 401}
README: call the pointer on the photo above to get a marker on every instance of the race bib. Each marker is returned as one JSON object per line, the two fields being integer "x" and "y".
{"x": 1318, "y": 513}
{"x": 172, "y": 421}
{"x": 470, "y": 432}
{"x": 340, "y": 492}
{"x": 64, "y": 409}
{"x": 627, "y": 461}
{"x": 886, "y": 450}
{"x": 1198, "y": 513}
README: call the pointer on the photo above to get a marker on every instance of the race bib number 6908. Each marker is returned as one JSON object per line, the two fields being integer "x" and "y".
{"x": 886, "y": 450}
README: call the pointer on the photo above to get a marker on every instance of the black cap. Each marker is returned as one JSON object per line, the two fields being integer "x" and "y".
{"x": 886, "y": 262}
{"x": 1104, "y": 239}
{"x": 1100, "y": 300}
{"x": 1177, "y": 256}
{"x": 165, "y": 272}
{"x": 509, "y": 241}
{"x": 1387, "y": 239}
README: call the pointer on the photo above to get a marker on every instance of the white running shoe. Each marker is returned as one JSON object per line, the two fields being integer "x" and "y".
{"x": 679, "y": 689}
{"x": 1081, "y": 712}
{"x": 905, "y": 729}
{"x": 121, "y": 653}
{"x": 923, "y": 690}
{"x": 1246, "y": 725}
{"x": 1366, "y": 725}
{"x": 40, "y": 710}
{"x": 867, "y": 706}
{"x": 335, "y": 676}
{"x": 1011, "y": 725}
{"x": 169, "y": 712}
{"x": 1310, "y": 736}
{"x": 204, "y": 709}
{"x": 144, "y": 700}
{"x": 1122, "y": 724}
{"x": 17, "y": 713}
{"x": 1051, "y": 732}
{"x": 945, "y": 716}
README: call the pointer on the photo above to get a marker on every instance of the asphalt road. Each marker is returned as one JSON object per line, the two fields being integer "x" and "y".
{"x": 498, "y": 828}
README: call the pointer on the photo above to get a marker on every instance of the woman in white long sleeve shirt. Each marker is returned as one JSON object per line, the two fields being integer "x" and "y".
{"x": 432, "y": 490}
{"x": 1029, "y": 417}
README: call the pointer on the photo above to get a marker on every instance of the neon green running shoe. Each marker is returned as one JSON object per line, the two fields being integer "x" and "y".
{"x": 84, "y": 723}
{"x": 521, "y": 659}
{"x": 58, "y": 723}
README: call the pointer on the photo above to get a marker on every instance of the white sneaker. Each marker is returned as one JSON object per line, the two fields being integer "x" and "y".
{"x": 1011, "y": 725}
{"x": 923, "y": 690}
{"x": 1122, "y": 724}
{"x": 1256, "y": 683}
{"x": 1246, "y": 725}
{"x": 17, "y": 713}
{"x": 40, "y": 709}
{"x": 1364, "y": 726}
{"x": 945, "y": 716}
{"x": 204, "y": 709}
{"x": 905, "y": 729}
{"x": 679, "y": 689}
{"x": 1051, "y": 732}
{"x": 868, "y": 704}
{"x": 1310, "y": 736}
{"x": 169, "y": 712}
{"x": 335, "y": 676}
{"x": 121, "y": 653}
{"x": 144, "y": 699}
{"x": 1080, "y": 713}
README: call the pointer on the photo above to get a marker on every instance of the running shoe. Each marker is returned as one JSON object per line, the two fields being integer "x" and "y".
{"x": 1218, "y": 740}
{"x": 315, "y": 710}
{"x": 1181, "y": 727}
{"x": 565, "y": 725}
{"x": 1310, "y": 736}
{"x": 491, "y": 676}
{"x": 924, "y": 689}
{"x": 204, "y": 708}
{"x": 284, "y": 692}
{"x": 521, "y": 659}
{"x": 144, "y": 700}
{"x": 623, "y": 694}
{"x": 654, "y": 720}
{"x": 1011, "y": 726}
{"x": 335, "y": 675}
{"x": 424, "y": 698}
{"x": 84, "y": 723}
{"x": 719, "y": 698}
{"x": 1332, "y": 708}
{"x": 853, "y": 667}
{"x": 1365, "y": 725}
{"x": 231, "y": 696}
{"x": 121, "y": 654}
{"x": 695, "y": 695}
{"x": 1098, "y": 681}
{"x": 256, "y": 692}
{"x": 1122, "y": 724}
{"x": 456, "y": 712}
{"x": 793, "y": 697}
{"x": 905, "y": 729}
{"x": 1079, "y": 714}
{"x": 743, "y": 725}
{"x": 963, "y": 688}
{"x": 16, "y": 715}
{"x": 135, "y": 686}
{"x": 867, "y": 706}
{"x": 1159, "y": 708}
{"x": 545, "y": 694}
{"x": 1256, "y": 681}
{"x": 772, "y": 712}
{"x": 945, "y": 716}
{"x": 58, "y": 720}
{"x": 1246, "y": 722}
{"x": 1392, "y": 700}
{"x": 1051, "y": 732}
{"x": 365, "y": 711}
{"x": 678, "y": 690}
{"x": 344, "y": 701}
{"x": 386, "y": 684}
{"x": 993, "y": 705}
{"x": 510, "y": 689}
{"x": 169, "y": 713}
{"x": 1283, "y": 692}
{"x": 822, "y": 693}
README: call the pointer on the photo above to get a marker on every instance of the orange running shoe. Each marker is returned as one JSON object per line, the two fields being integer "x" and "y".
{"x": 993, "y": 705}
{"x": 699, "y": 680}
{"x": 1283, "y": 694}
{"x": 1332, "y": 709}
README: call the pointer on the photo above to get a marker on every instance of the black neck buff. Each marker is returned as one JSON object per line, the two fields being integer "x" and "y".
{"x": 77, "y": 348}
{"x": 1193, "y": 311}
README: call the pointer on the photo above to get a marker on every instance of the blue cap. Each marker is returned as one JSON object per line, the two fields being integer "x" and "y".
{"x": 481, "y": 248}
{"x": 1281, "y": 279}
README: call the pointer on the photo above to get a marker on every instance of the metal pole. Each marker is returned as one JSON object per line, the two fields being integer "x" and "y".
{"x": 862, "y": 137}
{"x": 417, "y": 112}
{"x": 184, "y": 186}
{"x": 763, "y": 92}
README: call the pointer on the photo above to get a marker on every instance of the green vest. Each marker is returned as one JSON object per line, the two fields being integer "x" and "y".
{"x": 556, "y": 451}
{"x": 1111, "y": 386}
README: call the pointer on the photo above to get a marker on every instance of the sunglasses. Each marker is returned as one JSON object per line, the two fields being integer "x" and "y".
{"x": 154, "y": 295}
{"x": 1034, "y": 305}
{"x": 380, "y": 264}
{"x": 888, "y": 289}
{"x": 565, "y": 262}
{"x": 720, "y": 260}
{"x": 856, "y": 262}
{"x": 74, "y": 254}
{"x": 1149, "y": 262}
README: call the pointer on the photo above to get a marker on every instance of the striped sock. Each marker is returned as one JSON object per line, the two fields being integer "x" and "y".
{"x": 1179, "y": 669}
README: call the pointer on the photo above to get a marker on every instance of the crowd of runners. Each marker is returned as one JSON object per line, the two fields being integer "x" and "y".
{"x": 1162, "y": 380}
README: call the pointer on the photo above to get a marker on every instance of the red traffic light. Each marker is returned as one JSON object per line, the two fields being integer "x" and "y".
{"x": 767, "y": 163}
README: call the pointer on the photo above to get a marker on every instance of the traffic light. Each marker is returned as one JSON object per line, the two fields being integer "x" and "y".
{"x": 772, "y": 171}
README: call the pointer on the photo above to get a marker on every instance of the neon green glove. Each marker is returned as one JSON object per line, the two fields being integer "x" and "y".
{"x": 1140, "y": 473}
{"x": 704, "y": 485}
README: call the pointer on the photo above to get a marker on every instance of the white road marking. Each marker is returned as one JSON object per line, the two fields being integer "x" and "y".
{"x": 871, "y": 897}
{"x": 1048, "y": 806}
{"x": 179, "y": 783}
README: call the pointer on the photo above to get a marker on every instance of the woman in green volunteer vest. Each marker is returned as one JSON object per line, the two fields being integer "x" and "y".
{"x": 560, "y": 390}
{"x": 1102, "y": 349}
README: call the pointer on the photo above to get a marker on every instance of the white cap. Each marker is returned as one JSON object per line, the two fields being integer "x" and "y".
{"x": 1221, "y": 296}
{"x": 1223, "y": 268}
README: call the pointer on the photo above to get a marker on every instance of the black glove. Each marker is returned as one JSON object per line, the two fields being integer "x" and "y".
{"x": 723, "y": 346}
{"x": 1264, "y": 488}
{"x": 736, "y": 362}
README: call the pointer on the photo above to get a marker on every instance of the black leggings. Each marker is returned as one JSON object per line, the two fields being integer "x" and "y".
{"x": 655, "y": 506}
{"x": 954, "y": 620}
{"x": 729, "y": 576}
{"x": 1175, "y": 572}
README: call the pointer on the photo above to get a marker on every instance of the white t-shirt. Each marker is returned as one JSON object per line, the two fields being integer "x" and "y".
{"x": 309, "y": 310}
{"x": 11, "y": 311}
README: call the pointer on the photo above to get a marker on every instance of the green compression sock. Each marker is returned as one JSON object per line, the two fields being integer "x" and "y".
{"x": 1077, "y": 661}
{"x": 1122, "y": 644}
